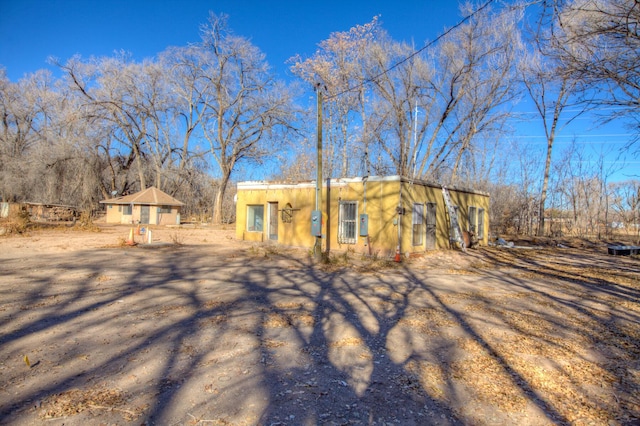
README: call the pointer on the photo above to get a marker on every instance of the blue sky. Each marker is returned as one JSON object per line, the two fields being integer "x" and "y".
{"x": 33, "y": 30}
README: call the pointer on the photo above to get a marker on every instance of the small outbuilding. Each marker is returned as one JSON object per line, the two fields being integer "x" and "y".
{"x": 150, "y": 206}
{"x": 371, "y": 215}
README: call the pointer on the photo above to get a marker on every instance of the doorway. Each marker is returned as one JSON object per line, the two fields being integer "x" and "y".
{"x": 144, "y": 214}
{"x": 430, "y": 242}
{"x": 273, "y": 221}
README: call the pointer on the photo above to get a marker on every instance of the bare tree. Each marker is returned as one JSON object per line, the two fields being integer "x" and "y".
{"x": 191, "y": 92}
{"x": 46, "y": 151}
{"x": 64, "y": 161}
{"x": 598, "y": 41}
{"x": 22, "y": 115}
{"x": 124, "y": 123}
{"x": 393, "y": 121}
{"x": 491, "y": 45}
{"x": 338, "y": 66}
{"x": 113, "y": 95}
{"x": 424, "y": 109}
{"x": 469, "y": 95}
{"x": 551, "y": 92}
{"x": 247, "y": 107}
{"x": 626, "y": 205}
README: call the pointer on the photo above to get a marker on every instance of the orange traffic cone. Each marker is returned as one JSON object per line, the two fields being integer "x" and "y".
{"x": 131, "y": 241}
{"x": 398, "y": 258}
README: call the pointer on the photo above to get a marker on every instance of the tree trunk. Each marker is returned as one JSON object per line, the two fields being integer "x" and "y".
{"x": 143, "y": 182}
{"x": 218, "y": 202}
{"x": 545, "y": 186}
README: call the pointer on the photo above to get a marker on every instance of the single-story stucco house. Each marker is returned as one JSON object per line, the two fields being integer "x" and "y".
{"x": 374, "y": 215}
{"x": 150, "y": 206}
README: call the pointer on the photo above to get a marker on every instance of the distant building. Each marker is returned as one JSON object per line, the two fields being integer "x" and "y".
{"x": 150, "y": 206}
{"x": 374, "y": 215}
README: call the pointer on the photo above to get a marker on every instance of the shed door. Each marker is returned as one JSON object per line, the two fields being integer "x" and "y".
{"x": 273, "y": 221}
{"x": 430, "y": 242}
{"x": 144, "y": 214}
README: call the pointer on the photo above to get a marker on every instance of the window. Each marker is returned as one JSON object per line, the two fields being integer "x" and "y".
{"x": 127, "y": 210}
{"x": 454, "y": 223}
{"x": 347, "y": 222}
{"x": 480, "y": 228}
{"x": 255, "y": 218}
{"x": 418, "y": 220}
{"x": 164, "y": 209}
{"x": 473, "y": 220}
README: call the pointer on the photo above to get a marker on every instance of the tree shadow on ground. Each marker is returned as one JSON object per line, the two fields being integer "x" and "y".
{"x": 205, "y": 334}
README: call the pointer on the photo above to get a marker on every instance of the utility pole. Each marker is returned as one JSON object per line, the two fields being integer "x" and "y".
{"x": 318, "y": 243}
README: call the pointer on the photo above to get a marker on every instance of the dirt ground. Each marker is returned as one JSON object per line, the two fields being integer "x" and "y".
{"x": 200, "y": 329}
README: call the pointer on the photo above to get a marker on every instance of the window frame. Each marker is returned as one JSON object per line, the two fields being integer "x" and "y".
{"x": 480, "y": 224}
{"x": 347, "y": 226}
{"x": 452, "y": 229}
{"x": 472, "y": 222}
{"x": 417, "y": 223}
{"x": 251, "y": 218}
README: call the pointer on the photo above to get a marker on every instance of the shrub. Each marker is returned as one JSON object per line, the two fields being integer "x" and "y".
{"x": 16, "y": 223}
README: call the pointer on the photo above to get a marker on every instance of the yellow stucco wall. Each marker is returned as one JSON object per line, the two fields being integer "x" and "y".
{"x": 422, "y": 194}
{"x": 115, "y": 215}
{"x": 377, "y": 197}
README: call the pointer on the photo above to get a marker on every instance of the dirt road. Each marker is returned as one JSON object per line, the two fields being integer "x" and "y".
{"x": 219, "y": 332}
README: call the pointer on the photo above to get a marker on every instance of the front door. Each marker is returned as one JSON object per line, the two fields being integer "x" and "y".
{"x": 144, "y": 214}
{"x": 430, "y": 242}
{"x": 273, "y": 221}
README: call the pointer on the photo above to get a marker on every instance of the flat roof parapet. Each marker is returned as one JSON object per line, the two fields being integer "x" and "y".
{"x": 248, "y": 185}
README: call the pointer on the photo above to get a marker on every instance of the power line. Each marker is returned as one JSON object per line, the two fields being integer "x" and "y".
{"x": 608, "y": 143}
{"x": 417, "y": 52}
{"x": 611, "y": 135}
{"x": 571, "y": 111}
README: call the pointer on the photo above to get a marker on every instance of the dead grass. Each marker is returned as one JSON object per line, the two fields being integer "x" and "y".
{"x": 75, "y": 401}
{"x": 549, "y": 349}
{"x": 16, "y": 223}
{"x": 177, "y": 238}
